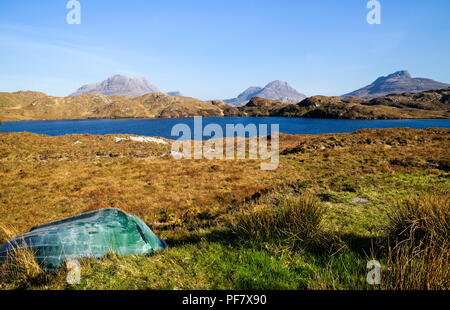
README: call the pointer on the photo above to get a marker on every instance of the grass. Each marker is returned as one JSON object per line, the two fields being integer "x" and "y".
{"x": 423, "y": 219}
{"x": 419, "y": 256}
{"x": 290, "y": 220}
{"x": 230, "y": 225}
{"x": 20, "y": 267}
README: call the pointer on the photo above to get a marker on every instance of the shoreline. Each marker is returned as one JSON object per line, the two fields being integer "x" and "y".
{"x": 221, "y": 117}
{"x": 171, "y": 140}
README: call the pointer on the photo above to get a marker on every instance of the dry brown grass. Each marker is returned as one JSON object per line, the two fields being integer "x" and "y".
{"x": 421, "y": 220}
{"x": 48, "y": 178}
{"x": 410, "y": 267}
{"x": 20, "y": 265}
{"x": 419, "y": 257}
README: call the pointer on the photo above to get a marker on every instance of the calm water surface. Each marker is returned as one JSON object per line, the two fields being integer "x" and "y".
{"x": 163, "y": 127}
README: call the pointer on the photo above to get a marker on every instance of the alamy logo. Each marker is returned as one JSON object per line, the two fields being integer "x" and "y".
{"x": 74, "y": 15}
{"x": 374, "y": 274}
{"x": 214, "y": 147}
{"x": 374, "y": 15}
{"x": 74, "y": 272}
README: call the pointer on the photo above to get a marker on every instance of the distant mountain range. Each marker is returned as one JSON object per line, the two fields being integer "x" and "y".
{"x": 276, "y": 90}
{"x": 398, "y": 82}
{"x": 130, "y": 97}
{"x": 119, "y": 85}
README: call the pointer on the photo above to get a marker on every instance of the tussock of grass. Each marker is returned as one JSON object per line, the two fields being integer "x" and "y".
{"x": 7, "y": 232}
{"x": 20, "y": 266}
{"x": 419, "y": 258}
{"x": 421, "y": 220}
{"x": 410, "y": 267}
{"x": 292, "y": 220}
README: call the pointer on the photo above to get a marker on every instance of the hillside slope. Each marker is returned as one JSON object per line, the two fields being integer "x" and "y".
{"x": 38, "y": 106}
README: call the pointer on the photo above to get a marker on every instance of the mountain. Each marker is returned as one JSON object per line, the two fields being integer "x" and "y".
{"x": 119, "y": 85}
{"x": 244, "y": 97}
{"x": 276, "y": 90}
{"x": 398, "y": 82}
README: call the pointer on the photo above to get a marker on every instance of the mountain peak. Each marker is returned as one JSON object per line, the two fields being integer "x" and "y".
{"x": 401, "y": 74}
{"x": 277, "y": 83}
{"x": 275, "y": 90}
{"x": 397, "y": 82}
{"x": 119, "y": 85}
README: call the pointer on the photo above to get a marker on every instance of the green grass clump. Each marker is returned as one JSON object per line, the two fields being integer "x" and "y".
{"x": 291, "y": 220}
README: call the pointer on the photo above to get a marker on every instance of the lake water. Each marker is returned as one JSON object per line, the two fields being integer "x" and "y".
{"x": 163, "y": 127}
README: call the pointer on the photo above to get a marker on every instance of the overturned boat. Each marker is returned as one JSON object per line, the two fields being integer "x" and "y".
{"x": 91, "y": 234}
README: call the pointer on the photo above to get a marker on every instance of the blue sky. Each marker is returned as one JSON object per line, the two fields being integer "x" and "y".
{"x": 213, "y": 49}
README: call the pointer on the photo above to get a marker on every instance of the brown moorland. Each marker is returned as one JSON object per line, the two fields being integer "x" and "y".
{"x": 347, "y": 187}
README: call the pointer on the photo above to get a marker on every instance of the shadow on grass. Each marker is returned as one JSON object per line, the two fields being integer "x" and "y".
{"x": 363, "y": 245}
{"x": 223, "y": 235}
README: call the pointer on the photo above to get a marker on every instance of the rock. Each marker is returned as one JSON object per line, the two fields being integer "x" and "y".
{"x": 142, "y": 139}
{"x": 361, "y": 201}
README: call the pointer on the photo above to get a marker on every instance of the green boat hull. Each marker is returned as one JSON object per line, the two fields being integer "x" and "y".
{"x": 91, "y": 234}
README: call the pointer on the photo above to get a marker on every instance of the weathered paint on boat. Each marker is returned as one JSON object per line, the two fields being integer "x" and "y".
{"x": 91, "y": 234}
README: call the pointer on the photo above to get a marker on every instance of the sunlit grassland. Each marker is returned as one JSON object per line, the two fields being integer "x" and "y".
{"x": 194, "y": 206}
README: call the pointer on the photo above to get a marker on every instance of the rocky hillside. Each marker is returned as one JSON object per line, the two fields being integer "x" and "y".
{"x": 38, "y": 106}
{"x": 276, "y": 90}
{"x": 398, "y": 82}
{"x": 428, "y": 104}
